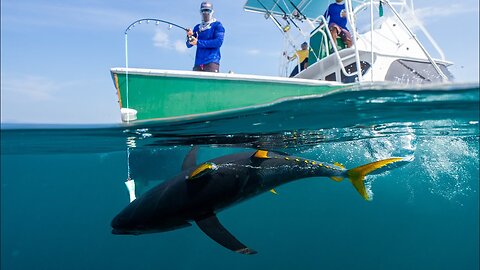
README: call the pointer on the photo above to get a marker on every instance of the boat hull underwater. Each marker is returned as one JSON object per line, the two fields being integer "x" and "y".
{"x": 199, "y": 192}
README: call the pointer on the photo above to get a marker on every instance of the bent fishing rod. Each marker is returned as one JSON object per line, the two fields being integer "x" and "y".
{"x": 147, "y": 20}
{"x": 157, "y": 22}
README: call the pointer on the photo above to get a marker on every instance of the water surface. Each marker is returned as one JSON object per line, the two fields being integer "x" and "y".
{"x": 62, "y": 185}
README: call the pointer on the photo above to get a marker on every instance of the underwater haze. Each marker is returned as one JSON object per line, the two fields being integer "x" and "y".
{"x": 62, "y": 185}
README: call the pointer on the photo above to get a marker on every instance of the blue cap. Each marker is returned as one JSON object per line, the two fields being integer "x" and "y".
{"x": 206, "y": 6}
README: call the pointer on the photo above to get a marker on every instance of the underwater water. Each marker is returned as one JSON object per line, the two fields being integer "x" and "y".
{"x": 62, "y": 185}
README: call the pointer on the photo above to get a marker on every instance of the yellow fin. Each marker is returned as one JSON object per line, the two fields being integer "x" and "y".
{"x": 201, "y": 169}
{"x": 357, "y": 175}
{"x": 336, "y": 178}
{"x": 273, "y": 191}
{"x": 261, "y": 154}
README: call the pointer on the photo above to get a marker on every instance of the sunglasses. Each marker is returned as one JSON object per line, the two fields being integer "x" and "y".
{"x": 206, "y": 11}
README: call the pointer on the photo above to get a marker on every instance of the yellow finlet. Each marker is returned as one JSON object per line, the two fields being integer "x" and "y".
{"x": 201, "y": 169}
{"x": 261, "y": 154}
{"x": 273, "y": 191}
{"x": 339, "y": 165}
{"x": 337, "y": 178}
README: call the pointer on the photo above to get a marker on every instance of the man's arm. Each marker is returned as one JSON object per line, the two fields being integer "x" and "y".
{"x": 216, "y": 42}
{"x": 293, "y": 57}
{"x": 327, "y": 13}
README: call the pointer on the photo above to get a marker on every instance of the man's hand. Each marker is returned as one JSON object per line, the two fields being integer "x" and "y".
{"x": 193, "y": 41}
{"x": 189, "y": 32}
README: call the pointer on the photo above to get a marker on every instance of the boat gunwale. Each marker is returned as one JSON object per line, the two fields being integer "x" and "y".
{"x": 223, "y": 76}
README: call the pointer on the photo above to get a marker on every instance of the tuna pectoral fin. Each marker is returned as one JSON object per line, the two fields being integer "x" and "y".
{"x": 357, "y": 175}
{"x": 212, "y": 227}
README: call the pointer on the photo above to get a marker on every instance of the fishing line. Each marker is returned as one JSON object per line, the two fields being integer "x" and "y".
{"x": 130, "y": 183}
{"x": 130, "y": 27}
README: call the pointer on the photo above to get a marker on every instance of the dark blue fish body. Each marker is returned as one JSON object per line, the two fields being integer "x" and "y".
{"x": 201, "y": 191}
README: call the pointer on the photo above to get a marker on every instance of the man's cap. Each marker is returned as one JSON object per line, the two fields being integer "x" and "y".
{"x": 304, "y": 44}
{"x": 206, "y": 6}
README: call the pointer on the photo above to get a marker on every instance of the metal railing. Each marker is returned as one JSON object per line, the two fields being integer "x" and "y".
{"x": 328, "y": 40}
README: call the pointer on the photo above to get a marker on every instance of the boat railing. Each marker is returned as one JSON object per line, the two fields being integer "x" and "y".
{"x": 406, "y": 8}
{"x": 328, "y": 40}
{"x": 434, "y": 64}
{"x": 361, "y": 7}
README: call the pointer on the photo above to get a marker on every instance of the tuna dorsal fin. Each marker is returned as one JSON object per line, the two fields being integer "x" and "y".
{"x": 190, "y": 159}
{"x": 211, "y": 226}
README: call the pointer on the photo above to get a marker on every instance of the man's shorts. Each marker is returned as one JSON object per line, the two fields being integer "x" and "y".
{"x": 210, "y": 67}
{"x": 343, "y": 33}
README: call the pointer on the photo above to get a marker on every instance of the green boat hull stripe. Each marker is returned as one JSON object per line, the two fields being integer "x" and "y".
{"x": 158, "y": 94}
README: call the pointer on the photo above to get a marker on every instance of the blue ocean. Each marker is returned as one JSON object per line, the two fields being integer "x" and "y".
{"x": 61, "y": 185}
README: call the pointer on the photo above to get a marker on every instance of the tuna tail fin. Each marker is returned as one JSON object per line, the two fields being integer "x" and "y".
{"x": 357, "y": 175}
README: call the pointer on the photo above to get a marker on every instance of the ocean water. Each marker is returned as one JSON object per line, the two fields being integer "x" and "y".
{"x": 61, "y": 185}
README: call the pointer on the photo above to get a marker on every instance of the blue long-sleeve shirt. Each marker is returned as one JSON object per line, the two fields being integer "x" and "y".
{"x": 209, "y": 42}
{"x": 333, "y": 12}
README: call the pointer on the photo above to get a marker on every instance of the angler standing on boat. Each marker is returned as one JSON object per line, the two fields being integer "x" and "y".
{"x": 337, "y": 23}
{"x": 302, "y": 59}
{"x": 208, "y": 37}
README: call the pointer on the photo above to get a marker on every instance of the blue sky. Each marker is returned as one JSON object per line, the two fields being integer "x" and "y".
{"x": 56, "y": 55}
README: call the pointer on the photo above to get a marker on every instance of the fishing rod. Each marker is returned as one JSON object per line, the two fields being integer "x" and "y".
{"x": 298, "y": 10}
{"x": 286, "y": 17}
{"x": 147, "y": 20}
{"x": 157, "y": 21}
{"x": 285, "y": 29}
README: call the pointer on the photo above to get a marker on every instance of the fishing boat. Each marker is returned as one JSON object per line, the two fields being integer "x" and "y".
{"x": 385, "y": 49}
